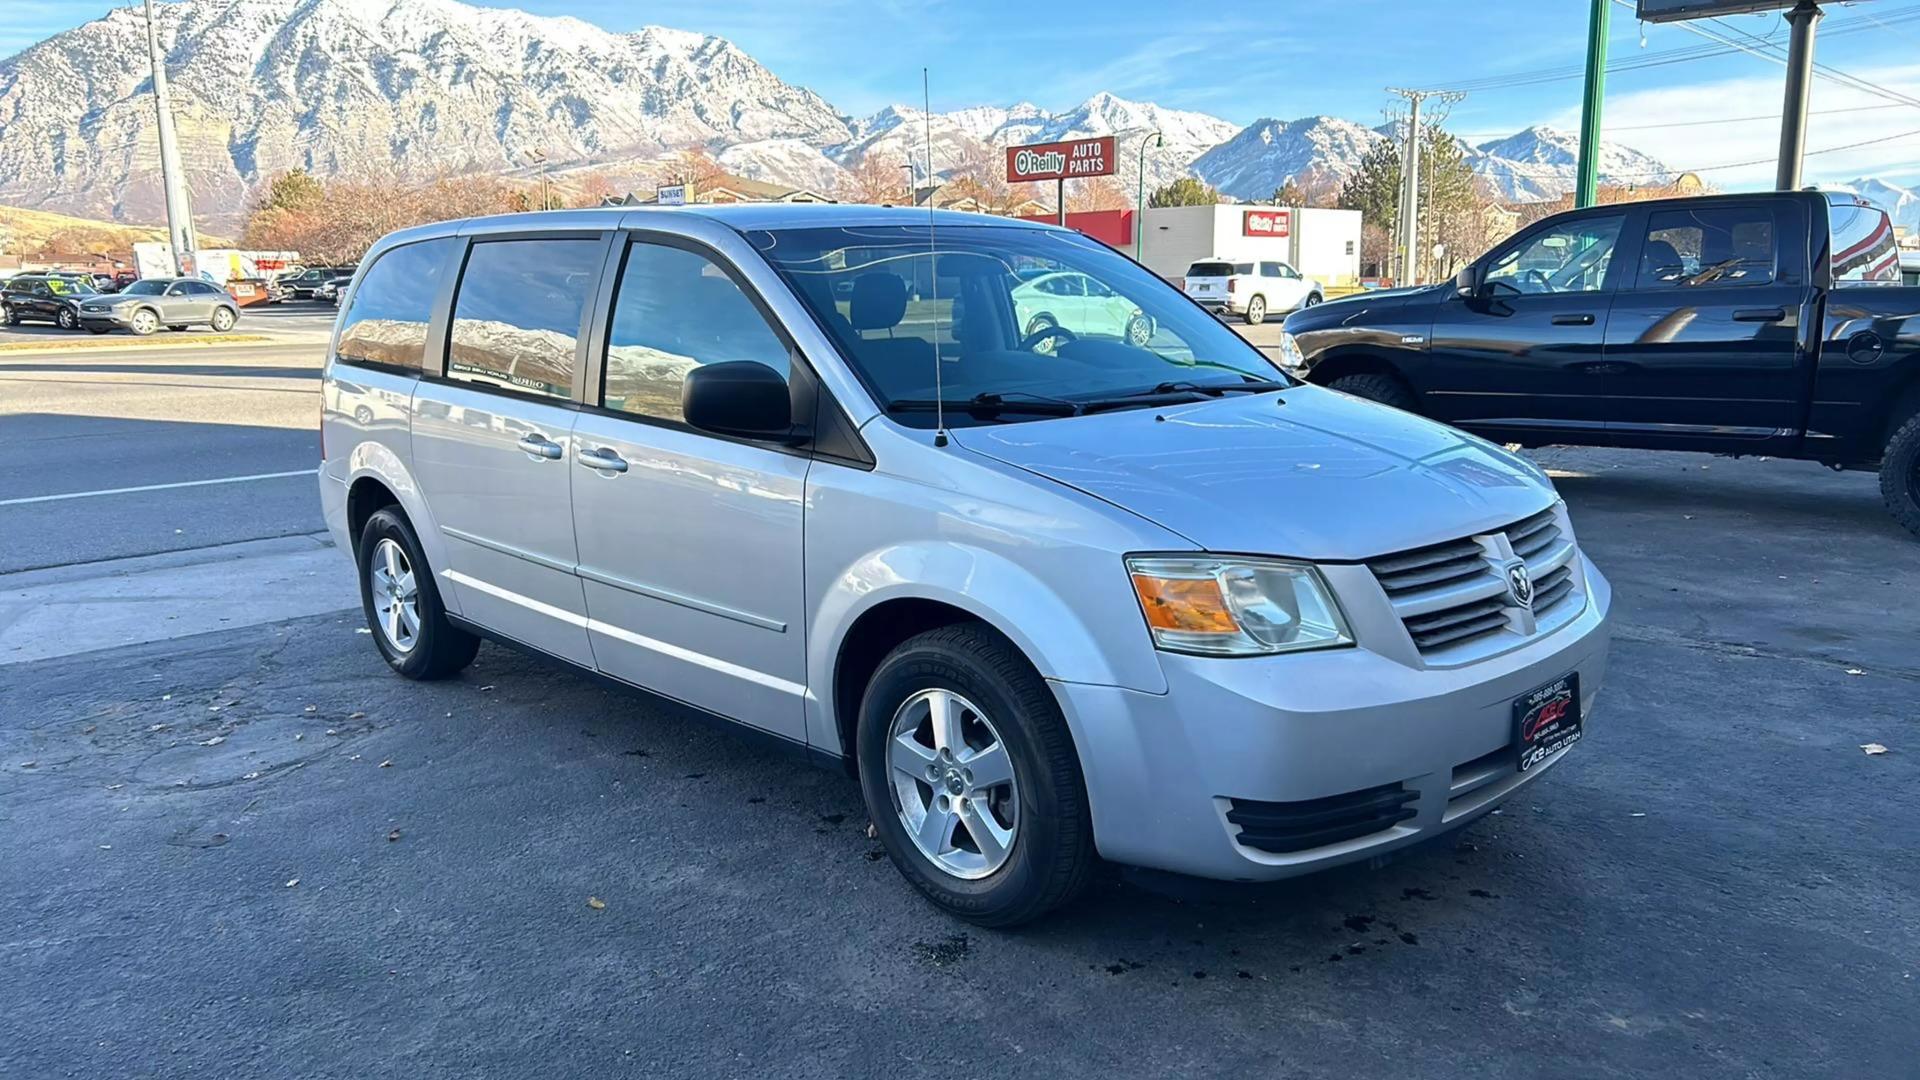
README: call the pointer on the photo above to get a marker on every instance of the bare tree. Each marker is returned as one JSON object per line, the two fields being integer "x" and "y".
{"x": 874, "y": 180}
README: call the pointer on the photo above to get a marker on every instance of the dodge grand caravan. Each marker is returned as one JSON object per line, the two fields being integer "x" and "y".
{"x": 1052, "y": 595}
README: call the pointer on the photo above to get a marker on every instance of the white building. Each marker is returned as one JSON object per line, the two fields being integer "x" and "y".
{"x": 1321, "y": 244}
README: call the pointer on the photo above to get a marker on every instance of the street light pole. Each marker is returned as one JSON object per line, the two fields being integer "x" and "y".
{"x": 1586, "y": 186}
{"x": 1793, "y": 117}
{"x": 1140, "y": 190}
{"x": 180, "y": 233}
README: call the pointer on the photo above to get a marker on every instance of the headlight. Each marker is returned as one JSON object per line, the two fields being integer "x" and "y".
{"x": 1222, "y": 606}
{"x": 1291, "y": 358}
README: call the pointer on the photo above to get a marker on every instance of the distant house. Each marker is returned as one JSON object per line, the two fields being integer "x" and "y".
{"x": 726, "y": 188}
{"x": 951, "y": 197}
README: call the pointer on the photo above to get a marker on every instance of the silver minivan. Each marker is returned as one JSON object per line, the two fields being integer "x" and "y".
{"x": 1053, "y": 595}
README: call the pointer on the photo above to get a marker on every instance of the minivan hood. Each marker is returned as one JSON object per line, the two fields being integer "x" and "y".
{"x": 1306, "y": 472}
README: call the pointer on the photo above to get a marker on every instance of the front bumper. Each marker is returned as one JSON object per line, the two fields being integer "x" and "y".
{"x": 1164, "y": 771}
{"x": 112, "y": 319}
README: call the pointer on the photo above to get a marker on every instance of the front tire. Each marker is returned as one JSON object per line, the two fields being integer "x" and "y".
{"x": 1384, "y": 389}
{"x": 402, "y": 602}
{"x": 1900, "y": 474}
{"x": 971, "y": 778}
{"x": 12, "y": 316}
{"x": 144, "y": 322}
{"x": 1140, "y": 331}
{"x": 1256, "y": 311}
{"x": 223, "y": 320}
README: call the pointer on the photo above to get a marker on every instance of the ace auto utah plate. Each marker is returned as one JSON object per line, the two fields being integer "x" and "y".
{"x": 1546, "y": 721}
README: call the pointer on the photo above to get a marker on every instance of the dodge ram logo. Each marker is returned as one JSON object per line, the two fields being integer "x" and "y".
{"x": 1520, "y": 585}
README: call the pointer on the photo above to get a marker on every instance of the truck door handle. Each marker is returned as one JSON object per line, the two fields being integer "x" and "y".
{"x": 539, "y": 446}
{"x": 603, "y": 458}
{"x": 1573, "y": 320}
{"x": 1760, "y": 314}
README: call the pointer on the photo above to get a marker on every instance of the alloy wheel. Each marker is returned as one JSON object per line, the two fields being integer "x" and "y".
{"x": 1139, "y": 331}
{"x": 145, "y": 322}
{"x": 396, "y": 595}
{"x": 222, "y": 320}
{"x": 953, "y": 783}
{"x": 65, "y": 319}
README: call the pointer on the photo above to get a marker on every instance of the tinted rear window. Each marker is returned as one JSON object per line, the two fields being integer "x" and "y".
{"x": 387, "y": 322}
{"x": 516, "y": 322}
{"x": 1210, "y": 269}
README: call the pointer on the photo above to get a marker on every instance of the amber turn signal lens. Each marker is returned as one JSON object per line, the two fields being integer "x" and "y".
{"x": 1191, "y": 605}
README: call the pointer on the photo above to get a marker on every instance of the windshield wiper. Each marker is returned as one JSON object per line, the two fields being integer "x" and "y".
{"x": 1251, "y": 386}
{"x": 1012, "y": 401}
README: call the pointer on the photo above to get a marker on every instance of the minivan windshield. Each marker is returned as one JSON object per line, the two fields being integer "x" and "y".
{"x": 1026, "y": 323}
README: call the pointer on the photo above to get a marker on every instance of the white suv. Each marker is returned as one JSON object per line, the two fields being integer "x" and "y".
{"x": 1251, "y": 289}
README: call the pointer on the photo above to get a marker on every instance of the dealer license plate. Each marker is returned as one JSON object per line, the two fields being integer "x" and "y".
{"x": 1546, "y": 721}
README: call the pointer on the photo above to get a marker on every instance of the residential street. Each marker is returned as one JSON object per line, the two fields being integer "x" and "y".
{"x": 236, "y": 845}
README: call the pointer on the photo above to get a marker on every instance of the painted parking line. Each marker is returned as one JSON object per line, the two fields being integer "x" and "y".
{"x": 156, "y": 487}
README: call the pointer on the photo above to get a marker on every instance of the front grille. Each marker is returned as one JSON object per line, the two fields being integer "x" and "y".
{"x": 1284, "y": 827}
{"x": 1453, "y": 597}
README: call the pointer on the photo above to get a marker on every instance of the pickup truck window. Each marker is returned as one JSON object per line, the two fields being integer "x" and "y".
{"x": 1711, "y": 246}
{"x": 1864, "y": 248}
{"x": 1569, "y": 257}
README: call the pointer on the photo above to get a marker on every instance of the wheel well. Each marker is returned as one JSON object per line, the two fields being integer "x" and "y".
{"x": 366, "y": 497}
{"x": 1339, "y": 367}
{"x": 1905, "y": 405}
{"x": 875, "y": 634}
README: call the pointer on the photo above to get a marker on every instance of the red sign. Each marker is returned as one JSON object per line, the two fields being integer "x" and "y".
{"x": 1266, "y": 223}
{"x": 1060, "y": 160}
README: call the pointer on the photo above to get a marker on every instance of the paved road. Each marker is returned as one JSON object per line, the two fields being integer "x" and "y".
{"x": 255, "y": 852}
{"x": 74, "y": 422}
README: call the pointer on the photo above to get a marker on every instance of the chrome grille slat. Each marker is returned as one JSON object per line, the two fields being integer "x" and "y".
{"x": 1451, "y": 594}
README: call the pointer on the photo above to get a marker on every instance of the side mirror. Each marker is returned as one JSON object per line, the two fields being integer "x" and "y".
{"x": 742, "y": 398}
{"x": 1466, "y": 283}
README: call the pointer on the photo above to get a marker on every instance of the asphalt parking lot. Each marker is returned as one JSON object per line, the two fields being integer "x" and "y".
{"x": 234, "y": 844}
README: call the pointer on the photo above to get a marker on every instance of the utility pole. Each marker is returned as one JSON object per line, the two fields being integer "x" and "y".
{"x": 1793, "y": 115}
{"x": 179, "y": 211}
{"x": 1409, "y": 224}
{"x": 1586, "y": 188}
{"x": 1140, "y": 191}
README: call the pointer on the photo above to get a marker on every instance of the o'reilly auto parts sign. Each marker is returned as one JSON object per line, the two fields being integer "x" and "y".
{"x": 1060, "y": 160}
{"x": 1266, "y": 223}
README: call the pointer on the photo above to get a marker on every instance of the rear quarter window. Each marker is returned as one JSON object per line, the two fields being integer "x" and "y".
{"x": 386, "y": 324}
{"x": 1864, "y": 248}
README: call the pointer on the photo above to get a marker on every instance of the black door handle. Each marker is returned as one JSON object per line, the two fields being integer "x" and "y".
{"x": 1767, "y": 314}
{"x": 1573, "y": 320}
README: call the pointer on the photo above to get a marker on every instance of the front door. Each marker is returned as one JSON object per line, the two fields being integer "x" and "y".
{"x": 1522, "y": 358}
{"x": 690, "y": 544}
{"x": 493, "y": 438}
{"x": 1703, "y": 347}
{"x": 182, "y": 305}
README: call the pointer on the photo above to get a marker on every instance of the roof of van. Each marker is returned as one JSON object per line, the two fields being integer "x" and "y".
{"x": 742, "y": 216}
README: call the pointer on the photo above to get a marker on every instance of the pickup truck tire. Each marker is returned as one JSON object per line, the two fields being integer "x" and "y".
{"x": 1384, "y": 389}
{"x": 1900, "y": 474}
{"x": 1001, "y": 719}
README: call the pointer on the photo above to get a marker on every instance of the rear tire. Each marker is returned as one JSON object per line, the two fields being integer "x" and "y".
{"x": 1384, "y": 389}
{"x": 1900, "y": 474}
{"x": 65, "y": 319}
{"x": 994, "y": 697}
{"x": 395, "y": 580}
{"x": 1256, "y": 311}
{"x": 1312, "y": 299}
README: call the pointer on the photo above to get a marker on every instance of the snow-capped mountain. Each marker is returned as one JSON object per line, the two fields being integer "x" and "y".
{"x": 1540, "y": 162}
{"x": 1311, "y": 151}
{"x": 431, "y": 87}
{"x": 414, "y": 86}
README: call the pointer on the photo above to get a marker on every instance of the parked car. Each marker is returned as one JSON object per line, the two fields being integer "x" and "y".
{"x": 329, "y": 291}
{"x": 303, "y": 285}
{"x": 1159, "y": 604}
{"x": 1084, "y": 306}
{"x": 1747, "y": 324}
{"x": 150, "y": 303}
{"x": 43, "y": 298}
{"x": 1252, "y": 290}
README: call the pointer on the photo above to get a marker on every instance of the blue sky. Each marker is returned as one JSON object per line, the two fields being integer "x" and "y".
{"x": 1297, "y": 59}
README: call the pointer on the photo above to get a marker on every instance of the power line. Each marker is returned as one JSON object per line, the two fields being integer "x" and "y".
{"x": 1769, "y": 160}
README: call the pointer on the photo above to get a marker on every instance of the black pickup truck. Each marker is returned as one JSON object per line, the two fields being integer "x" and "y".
{"x": 1748, "y": 324}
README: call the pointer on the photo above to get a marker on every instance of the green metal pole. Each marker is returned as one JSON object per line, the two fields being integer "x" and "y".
{"x": 1140, "y": 193}
{"x": 1587, "y": 184}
